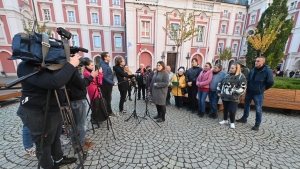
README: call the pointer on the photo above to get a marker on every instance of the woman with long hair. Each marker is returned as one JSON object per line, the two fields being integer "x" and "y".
{"x": 123, "y": 84}
{"x": 158, "y": 90}
{"x": 97, "y": 81}
{"x": 231, "y": 89}
{"x": 202, "y": 83}
{"x": 177, "y": 87}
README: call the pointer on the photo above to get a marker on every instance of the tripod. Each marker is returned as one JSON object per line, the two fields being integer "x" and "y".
{"x": 134, "y": 115}
{"x": 69, "y": 122}
{"x": 147, "y": 114}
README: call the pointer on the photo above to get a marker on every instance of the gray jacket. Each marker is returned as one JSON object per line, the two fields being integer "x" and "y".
{"x": 159, "y": 92}
{"x": 217, "y": 78}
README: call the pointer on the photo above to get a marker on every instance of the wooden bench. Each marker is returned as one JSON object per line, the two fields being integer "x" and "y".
{"x": 281, "y": 98}
{"x": 6, "y": 95}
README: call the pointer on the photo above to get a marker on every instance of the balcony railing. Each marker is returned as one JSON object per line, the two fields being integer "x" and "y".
{"x": 237, "y": 2}
{"x": 148, "y": 2}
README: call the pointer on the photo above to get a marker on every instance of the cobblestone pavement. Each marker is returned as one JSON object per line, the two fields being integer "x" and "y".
{"x": 183, "y": 141}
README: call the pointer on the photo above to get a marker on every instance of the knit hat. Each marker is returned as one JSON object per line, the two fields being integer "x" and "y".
{"x": 219, "y": 66}
{"x": 181, "y": 69}
{"x": 241, "y": 62}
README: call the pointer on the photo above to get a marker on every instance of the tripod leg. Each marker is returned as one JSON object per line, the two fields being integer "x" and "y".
{"x": 111, "y": 128}
{"x": 93, "y": 127}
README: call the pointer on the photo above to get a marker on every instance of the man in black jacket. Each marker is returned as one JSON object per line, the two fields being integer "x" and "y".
{"x": 191, "y": 77}
{"x": 77, "y": 95}
{"x": 32, "y": 109}
{"x": 123, "y": 84}
{"x": 140, "y": 76}
{"x": 260, "y": 80}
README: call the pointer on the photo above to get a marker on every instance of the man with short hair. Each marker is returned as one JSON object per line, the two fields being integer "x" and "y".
{"x": 171, "y": 74}
{"x": 108, "y": 81}
{"x": 191, "y": 77}
{"x": 139, "y": 79}
{"x": 260, "y": 80}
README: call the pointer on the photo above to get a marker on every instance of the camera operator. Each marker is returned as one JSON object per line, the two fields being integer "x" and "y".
{"x": 141, "y": 86}
{"x": 123, "y": 85}
{"x": 147, "y": 76}
{"x": 32, "y": 109}
{"x": 77, "y": 95}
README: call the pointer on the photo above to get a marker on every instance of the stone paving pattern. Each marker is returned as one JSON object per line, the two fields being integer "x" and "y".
{"x": 183, "y": 141}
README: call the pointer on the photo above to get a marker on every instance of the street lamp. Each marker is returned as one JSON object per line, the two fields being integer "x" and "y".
{"x": 163, "y": 56}
{"x": 187, "y": 60}
{"x": 173, "y": 48}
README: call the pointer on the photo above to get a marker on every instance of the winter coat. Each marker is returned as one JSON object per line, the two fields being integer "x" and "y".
{"x": 121, "y": 74}
{"x": 192, "y": 74}
{"x": 217, "y": 78}
{"x": 204, "y": 79}
{"x": 176, "y": 90}
{"x": 108, "y": 79}
{"x": 262, "y": 82}
{"x": 92, "y": 89}
{"x": 232, "y": 87}
{"x": 140, "y": 76}
{"x": 159, "y": 92}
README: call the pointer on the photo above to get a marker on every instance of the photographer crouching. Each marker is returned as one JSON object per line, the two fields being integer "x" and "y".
{"x": 77, "y": 94}
{"x": 32, "y": 109}
{"x": 123, "y": 84}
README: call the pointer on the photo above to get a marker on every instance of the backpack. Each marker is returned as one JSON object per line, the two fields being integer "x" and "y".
{"x": 98, "y": 110}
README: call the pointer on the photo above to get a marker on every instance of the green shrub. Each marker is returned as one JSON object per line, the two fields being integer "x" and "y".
{"x": 286, "y": 83}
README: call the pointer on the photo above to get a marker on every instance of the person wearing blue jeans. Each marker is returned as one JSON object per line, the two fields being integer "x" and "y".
{"x": 77, "y": 94}
{"x": 27, "y": 141}
{"x": 218, "y": 75}
{"x": 202, "y": 83}
{"x": 260, "y": 80}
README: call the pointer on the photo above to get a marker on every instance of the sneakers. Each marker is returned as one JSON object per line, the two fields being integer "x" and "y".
{"x": 123, "y": 111}
{"x": 159, "y": 120}
{"x": 223, "y": 122}
{"x": 88, "y": 145}
{"x": 156, "y": 117}
{"x": 64, "y": 140}
{"x": 30, "y": 151}
{"x": 241, "y": 120}
{"x": 66, "y": 160}
{"x": 256, "y": 128}
{"x": 112, "y": 115}
{"x": 232, "y": 126}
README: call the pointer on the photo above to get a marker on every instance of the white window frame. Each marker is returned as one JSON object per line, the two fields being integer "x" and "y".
{"x": 234, "y": 47}
{"x": 68, "y": 12}
{"x": 240, "y": 15}
{"x": 293, "y": 5}
{"x": 200, "y": 37}
{"x": 116, "y": 2}
{"x": 253, "y": 19}
{"x": 95, "y": 20}
{"x": 47, "y": 18}
{"x": 94, "y": 42}
{"x": 220, "y": 47}
{"x": 144, "y": 29}
{"x": 119, "y": 22}
{"x": 237, "y": 30}
{"x": 176, "y": 27}
{"x": 225, "y": 13}
{"x": 93, "y": 1}
{"x": 118, "y": 48}
{"x": 3, "y": 38}
{"x": 223, "y": 30}
{"x": 76, "y": 40}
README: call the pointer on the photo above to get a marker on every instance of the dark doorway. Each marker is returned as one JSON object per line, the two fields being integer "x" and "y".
{"x": 171, "y": 61}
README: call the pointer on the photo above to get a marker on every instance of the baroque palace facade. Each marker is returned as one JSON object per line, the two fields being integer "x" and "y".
{"x": 133, "y": 29}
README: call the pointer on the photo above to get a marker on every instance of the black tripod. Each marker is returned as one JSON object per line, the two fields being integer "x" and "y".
{"x": 134, "y": 115}
{"x": 147, "y": 114}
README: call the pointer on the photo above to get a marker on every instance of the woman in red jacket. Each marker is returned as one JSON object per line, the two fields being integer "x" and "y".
{"x": 96, "y": 83}
{"x": 202, "y": 83}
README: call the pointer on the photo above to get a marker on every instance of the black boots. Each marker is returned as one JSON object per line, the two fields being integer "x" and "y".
{"x": 200, "y": 114}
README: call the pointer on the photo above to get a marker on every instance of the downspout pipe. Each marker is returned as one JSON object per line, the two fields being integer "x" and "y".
{"x": 125, "y": 29}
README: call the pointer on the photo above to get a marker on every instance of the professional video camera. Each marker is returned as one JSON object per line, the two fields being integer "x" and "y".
{"x": 134, "y": 82}
{"x": 42, "y": 49}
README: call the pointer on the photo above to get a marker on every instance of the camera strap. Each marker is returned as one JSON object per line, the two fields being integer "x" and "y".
{"x": 45, "y": 47}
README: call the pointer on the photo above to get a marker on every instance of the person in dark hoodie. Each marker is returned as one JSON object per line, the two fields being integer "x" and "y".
{"x": 77, "y": 94}
{"x": 140, "y": 80}
{"x": 123, "y": 84}
{"x": 244, "y": 69}
{"x": 32, "y": 109}
{"x": 108, "y": 82}
{"x": 260, "y": 79}
{"x": 191, "y": 77}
